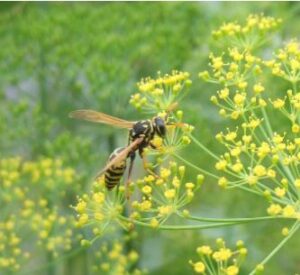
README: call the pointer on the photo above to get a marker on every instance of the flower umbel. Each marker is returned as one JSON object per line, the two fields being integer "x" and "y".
{"x": 222, "y": 260}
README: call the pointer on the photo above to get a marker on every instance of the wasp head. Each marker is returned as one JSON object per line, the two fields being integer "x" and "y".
{"x": 159, "y": 126}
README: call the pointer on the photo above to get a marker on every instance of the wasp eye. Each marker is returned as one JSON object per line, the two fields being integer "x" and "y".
{"x": 160, "y": 127}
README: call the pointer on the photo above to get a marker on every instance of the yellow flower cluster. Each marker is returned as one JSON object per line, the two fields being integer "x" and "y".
{"x": 286, "y": 63}
{"x": 261, "y": 173}
{"x": 258, "y": 158}
{"x": 232, "y": 71}
{"x": 162, "y": 93}
{"x": 249, "y": 34}
{"x": 222, "y": 261}
{"x": 114, "y": 259}
{"x": 289, "y": 106}
{"x": 55, "y": 232}
{"x": 163, "y": 195}
{"x": 100, "y": 208}
{"x": 11, "y": 253}
{"x": 35, "y": 192}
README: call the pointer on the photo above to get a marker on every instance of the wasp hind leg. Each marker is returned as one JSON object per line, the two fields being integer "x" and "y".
{"x": 132, "y": 158}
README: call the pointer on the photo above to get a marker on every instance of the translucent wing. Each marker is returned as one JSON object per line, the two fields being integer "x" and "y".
{"x": 99, "y": 117}
{"x": 121, "y": 156}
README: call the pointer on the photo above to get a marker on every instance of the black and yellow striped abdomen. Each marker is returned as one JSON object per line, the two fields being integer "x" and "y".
{"x": 114, "y": 174}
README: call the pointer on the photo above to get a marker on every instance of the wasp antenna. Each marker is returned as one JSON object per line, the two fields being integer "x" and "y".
{"x": 172, "y": 106}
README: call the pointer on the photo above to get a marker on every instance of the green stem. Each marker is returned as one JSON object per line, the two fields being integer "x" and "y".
{"x": 197, "y": 142}
{"x": 195, "y": 167}
{"x": 188, "y": 227}
{"x": 183, "y": 227}
{"x": 238, "y": 220}
{"x": 295, "y": 227}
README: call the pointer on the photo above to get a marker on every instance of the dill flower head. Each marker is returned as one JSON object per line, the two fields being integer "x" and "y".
{"x": 286, "y": 62}
{"x": 115, "y": 258}
{"x": 35, "y": 187}
{"x": 225, "y": 260}
{"x": 100, "y": 208}
{"x": 260, "y": 155}
{"x": 162, "y": 93}
{"x": 12, "y": 255}
{"x": 163, "y": 195}
{"x": 249, "y": 34}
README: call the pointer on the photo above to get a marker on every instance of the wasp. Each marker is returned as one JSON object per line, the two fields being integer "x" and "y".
{"x": 141, "y": 134}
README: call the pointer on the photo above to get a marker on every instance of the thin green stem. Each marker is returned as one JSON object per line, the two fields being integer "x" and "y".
{"x": 198, "y": 143}
{"x": 238, "y": 220}
{"x": 188, "y": 227}
{"x": 294, "y": 229}
{"x": 195, "y": 167}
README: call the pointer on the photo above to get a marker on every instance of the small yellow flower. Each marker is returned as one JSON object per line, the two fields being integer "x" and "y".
{"x": 204, "y": 250}
{"x": 280, "y": 192}
{"x": 231, "y": 136}
{"x": 149, "y": 179}
{"x": 83, "y": 219}
{"x": 289, "y": 211}
{"x": 232, "y": 270}
{"x": 285, "y": 231}
{"x": 165, "y": 210}
{"x": 217, "y": 63}
{"x": 278, "y": 103}
{"x": 274, "y": 209}
{"x": 295, "y": 128}
{"x": 224, "y": 93}
{"x": 147, "y": 189}
{"x": 221, "y": 164}
{"x": 239, "y": 99}
{"x": 223, "y": 254}
{"x": 81, "y": 207}
{"x": 170, "y": 194}
{"x": 145, "y": 205}
{"x": 165, "y": 173}
{"x": 154, "y": 223}
{"x": 222, "y": 182}
{"x": 189, "y": 185}
{"x": 237, "y": 167}
{"x": 258, "y": 88}
{"x": 259, "y": 170}
{"x": 199, "y": 267}
{"x": 252, "y": 180}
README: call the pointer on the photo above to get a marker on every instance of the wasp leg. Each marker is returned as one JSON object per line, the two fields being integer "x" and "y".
{"x": 145, "y": 163}
{"x": 152, "y": 145}
{"x": 132, "y": 157}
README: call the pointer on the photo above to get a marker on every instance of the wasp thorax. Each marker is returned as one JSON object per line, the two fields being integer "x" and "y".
{"x": 159, "y": 126}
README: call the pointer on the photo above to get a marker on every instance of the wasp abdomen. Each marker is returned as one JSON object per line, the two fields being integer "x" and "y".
{"x": 114, "y": 174}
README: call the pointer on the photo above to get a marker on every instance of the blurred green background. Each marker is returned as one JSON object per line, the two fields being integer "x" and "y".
{"x": 58, "y": 57}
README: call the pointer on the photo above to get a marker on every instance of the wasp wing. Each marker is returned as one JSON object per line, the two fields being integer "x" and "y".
{"x": 99, "y": 117}
{"x": 121, "y": 156}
